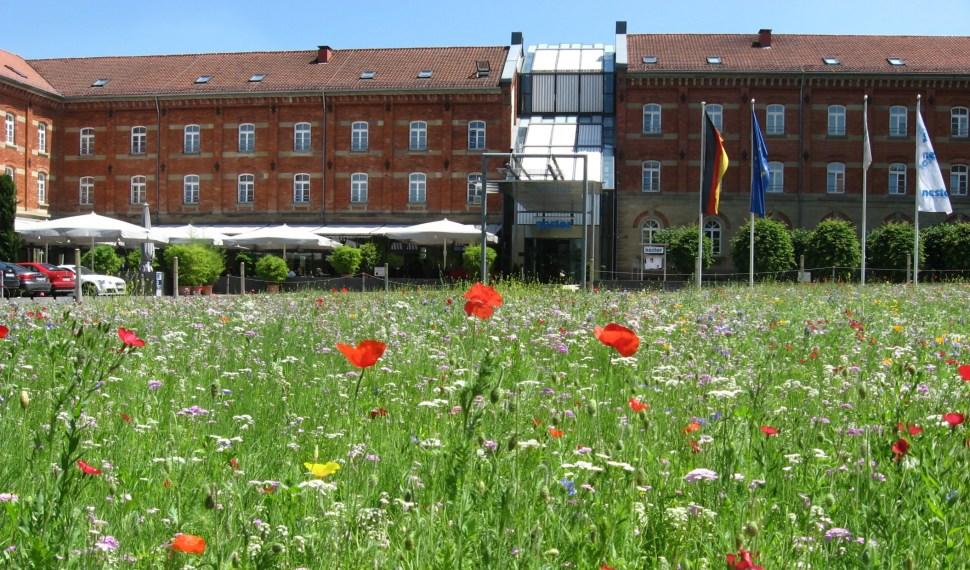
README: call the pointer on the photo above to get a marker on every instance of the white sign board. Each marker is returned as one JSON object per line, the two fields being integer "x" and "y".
{"x": 653, "y": 262}
{"x": 379, "y": 272}
{"x": 653, "y": 250}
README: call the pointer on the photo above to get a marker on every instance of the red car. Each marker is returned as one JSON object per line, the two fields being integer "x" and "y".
{"x": 62, "y": 280}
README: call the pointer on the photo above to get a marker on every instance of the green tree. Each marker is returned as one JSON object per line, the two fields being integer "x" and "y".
{"x": 887, "y": 248}
{"x": 681, "y": 245}
{"x": 345, "y": 259}
{"x": 272, "y": 269}
{"x": 370, "y": 255}
{"x": 471, "y": 259}
{"x": 102, "y": 259}
{"x": 773, "y": 250}
{"x": 10, "y": 242}
{"x": 199, "y": 264}
{"x": 799, "y": 241}
{"x": 946, "y": 246}
{"x": 834, "y": 244}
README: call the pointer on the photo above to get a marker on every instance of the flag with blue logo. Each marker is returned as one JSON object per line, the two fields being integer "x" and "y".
{"x": 760, "y": 176}
{"x": 931, "y": 195}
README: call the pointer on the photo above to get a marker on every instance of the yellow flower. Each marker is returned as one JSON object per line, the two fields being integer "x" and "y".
{"x": 322, "y": 470}
{"x": 940, "y": 340}
{"x": 887, "y": 361}
{"x": 897, "y": 328}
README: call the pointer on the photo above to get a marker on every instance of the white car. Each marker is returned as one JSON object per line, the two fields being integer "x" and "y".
{"x": 96, "y": 284}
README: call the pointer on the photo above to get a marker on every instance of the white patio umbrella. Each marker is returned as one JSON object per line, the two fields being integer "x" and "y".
{"x": 91, "y": 227}
{"x": 148, "y": 246}
{"x": 281, "y": 237}
{"x": 440, "y": 233}
{"x": 190, "y": 233}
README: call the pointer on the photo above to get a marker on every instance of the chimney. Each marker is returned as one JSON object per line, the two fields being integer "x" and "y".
{"x": 620, "y": 27}
{"x": 764, "y": 38}
{"x": 324, "y": 53}
{"x": 516, "y": 38}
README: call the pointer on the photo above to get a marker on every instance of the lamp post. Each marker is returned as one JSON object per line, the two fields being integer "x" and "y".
{"x": 483, "y": 193}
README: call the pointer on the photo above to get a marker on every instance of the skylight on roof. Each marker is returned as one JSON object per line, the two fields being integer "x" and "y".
{"x": 257, "y": 77}
{"x": 100, "y": 82}
{"x": 424, "y": 74}
{"x": 16, "y": 71}
{"x": 483, "y": 68}
{"x": 202, "y": 79}
{"x": 714, "y": 59}
{"x": 896, "y": 61}
{"x": 368, "y": 74}
{"x": 649, "y": 59}
{"x": 831, "y": 61}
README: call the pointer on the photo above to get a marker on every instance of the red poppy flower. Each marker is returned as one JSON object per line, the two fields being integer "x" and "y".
{"x": 555, "y": 433}
{"x": 234, "y": 463}
{"x": 900, "y": 448}
{"x": 743, "y": 560}
{"x": 769, "y": 431}
{"x": 188, "y": 544}
{"x": 129, "y": 337}
{"x": 913, "y": 429}
{"x": 606, "y": 567}
{"x": 448, "y": 301}
{"x": 695, "y": 446}
{"x": 343, "y": 289}
{"x": 365, "y": 354}
{"x": 625, "y": 341}
{"x": 87, "y": 469}
{"x": 964, "y": 371}
{"x": 4, "y": 331}
{"x": 953, "y": 418}
{"x": 377, "y": 413}
{"x": 482, "y": 301}
{"x": 125, "y": 418}
{"x": 692, "y": 427}
{"x": 167, "y": 483}
{"x": 637, "y": 406}
{"x": 319, "y": 301}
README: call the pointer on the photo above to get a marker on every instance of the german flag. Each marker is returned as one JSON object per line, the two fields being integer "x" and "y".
{"x": 715, "y": 165}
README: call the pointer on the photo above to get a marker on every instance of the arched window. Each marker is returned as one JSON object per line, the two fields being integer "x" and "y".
{"x": 41, "y": 188}
{"x": 716, "y": 113}
{"x": 358, "y": 136}
{"x": 474, "y": 189}
{"x": 959, "y": 123}
{"x": 418, "y": 139}
{"x": 191, "y": 139}
{"x": 776, "y": 174}
{"x": 835, "y": 178}
{"x": 190, "y": 189}
{"x": 836, "y": 121}
{"x": 138, "y": 195}
{"x": 649, "y": 229}
{"x": 42, "y": 137}
{"x": 651, "y": 176}
{"x": 301, "y": 189}
{"x": 86, "y": 191}
{"x": 958, "y": 180}
{"x": 301, "y": 137}
{"x": 246, "y": 188}
{"x": 775, "y": 120}
{"x": 897, "y": 179}
{"x": 897, "y": 121}
{"x": 476, "y": 135}
{"x": 712, "y": 229}
{"x": 87, "y": 141}
{"x": 652, "y": 119}
{"x": 139, "y": 140}
{"x": 358, "y": 188}
{"x": 247, "y": 137}
{"x": 417, "y": 188}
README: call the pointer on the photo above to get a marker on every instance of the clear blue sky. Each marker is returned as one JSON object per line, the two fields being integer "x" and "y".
{"x": 66, "y": 28}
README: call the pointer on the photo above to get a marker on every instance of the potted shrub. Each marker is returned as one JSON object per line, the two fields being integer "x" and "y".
{"x": 273, "y": 270}
{"x": 345, "y": 260}
{"x": 199, "y": 266}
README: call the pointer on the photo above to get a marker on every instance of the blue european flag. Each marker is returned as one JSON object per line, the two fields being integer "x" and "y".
{"x": 761, "y": 178}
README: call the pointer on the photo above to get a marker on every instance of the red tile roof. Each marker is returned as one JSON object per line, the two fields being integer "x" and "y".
{"x": 14, "y": 68}
{"x": 796, "y": 53}
{"x": 286, "y": 71}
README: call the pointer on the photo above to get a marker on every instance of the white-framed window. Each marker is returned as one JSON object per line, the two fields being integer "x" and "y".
{"x": 716, "y": 113}
{"x": 87, "y": 141}
{"x": 190, "y": 189}
{"x": 836, "y": 121}
{"x": 652, "y": 118}
{"x": 358, "y": 188}
{"x": 958, "y": 180}
{"x": 712, "y": 229}
{"x": 775, "y": 120}
{"x": 649, "y": 229}
{"x": 139, "y": 140}
{"x": 651, "y": 176}
{"x": 301, "y": 137}
{"x": 138, "y": 194}
{"x": 418, "y": 139}
{"x": 301, "y": 189}
{"x": 191, "y": 139}
{"x": 10, "y": 126}
{"x": 897, "y": 121}
{"x": 417, "y": 188}
{"x": 776, "y": 175}
{"x": 246, "y": 188}
{"x": 358, "y": 136}
{"x": 474, "y": 192}
{"x": 247, "y": 137}
{"x": 42, "y": 137}
{"x": 476, "y": 135}
{"x": 8, "y": 171}
{"x": 86, "y": 191}
{"x": 835, "y": 178}
{"x": 959, "y": 122}
{"x": 897, "y": 179}
{"x": 41, "y": 188}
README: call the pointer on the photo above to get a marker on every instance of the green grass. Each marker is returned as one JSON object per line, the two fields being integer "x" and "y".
{"x": 462, "y": 472}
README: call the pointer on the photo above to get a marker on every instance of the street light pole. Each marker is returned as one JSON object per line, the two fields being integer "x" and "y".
{"x": 484, "y": 197}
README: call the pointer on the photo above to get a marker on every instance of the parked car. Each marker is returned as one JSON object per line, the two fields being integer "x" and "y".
{"x": 96, "y": 284}
{"x": 9, "y": 284}
{"x": 30, "y": 283}
{"x": 62, "y": 280}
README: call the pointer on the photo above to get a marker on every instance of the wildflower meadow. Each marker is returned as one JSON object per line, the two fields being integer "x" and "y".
{"x": 812, "y": 426}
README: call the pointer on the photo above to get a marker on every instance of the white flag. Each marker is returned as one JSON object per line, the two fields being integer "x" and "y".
{"x": 866, "y": 149}
{"x": 931, "y": 193}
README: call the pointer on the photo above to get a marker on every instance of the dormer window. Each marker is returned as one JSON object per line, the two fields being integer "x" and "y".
{"x": 831, "y": 61}
{"x": 202, "y": 79}
{"x": 714, "y": 59}
{"x": 482, "y": 68}
{"x": 367, "y": 74}
{"x": 649, "y": 59}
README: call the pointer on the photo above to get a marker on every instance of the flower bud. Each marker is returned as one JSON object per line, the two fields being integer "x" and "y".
{"x": 24, "y": 399}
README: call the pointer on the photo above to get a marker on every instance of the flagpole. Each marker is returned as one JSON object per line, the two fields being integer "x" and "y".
{"x": 865, "y": 172}
{"x": 751, "y": 238}
{"x": 919, "y": 97}
{"x": 700, "y": 199}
